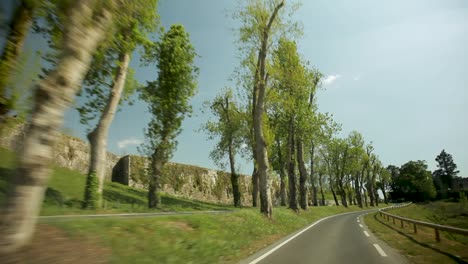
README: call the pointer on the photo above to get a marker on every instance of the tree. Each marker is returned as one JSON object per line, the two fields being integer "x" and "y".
{"x": 110, "y": 82}
{"x": 290, "y": 102}
{"x": 414, "y": 182}
{"x": 228, "y": 126}
{"x": 259, "y": 19}
{"x": 357, "y": 154}
{"x": 168, "y": 101}
{"x": 86, "y": 24}
{"x": 447, "y": 170}
{"x": 18, "y": 29}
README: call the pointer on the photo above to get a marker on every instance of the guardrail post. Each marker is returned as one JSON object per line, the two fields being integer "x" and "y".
{"x": 437, "y": 234}
{"x": 415, "y": 229}
{"x": 393, "y": 218}
{"x": 402, "y": 226}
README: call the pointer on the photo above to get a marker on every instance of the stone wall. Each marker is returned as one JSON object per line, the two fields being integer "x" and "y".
{"x": 181, "y": 180}
{"x": 69, "y": 152}
{"x": 187, "y": 181}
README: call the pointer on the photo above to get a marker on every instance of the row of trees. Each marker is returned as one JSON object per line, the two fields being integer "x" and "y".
{"x": 90, "y": 47}
{"x": 272, "y": 118}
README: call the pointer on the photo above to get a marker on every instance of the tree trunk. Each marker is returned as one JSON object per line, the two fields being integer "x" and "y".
{"x": 334, "y": 196}
{"x": 312, "y": 178}
{"x": 234, "y": 177}
{"x": 282, "y": 175}
{"x": 357, "y": 191}
{"x": 98, "y": 137}
{"x": 302, "y": 175}
{"x": 154, "y": 186}
{"x": 365, "y": 198}
{"x": 343, "y": 197}
{"x": 371, "y": 193}
{"x": 53, "y": 95}
{"x": 260, "y": 144}
{"x": 384, "y": 194}
{"x": 255, "y": 186}
{"x": 350, "y": 197}
{"x": 18, "y": 29}
{"x": 322, "y": 202}
{"x": 291, "y": 168}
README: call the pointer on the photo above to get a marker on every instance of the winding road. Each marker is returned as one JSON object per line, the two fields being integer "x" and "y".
{"x": 337, "y": 239}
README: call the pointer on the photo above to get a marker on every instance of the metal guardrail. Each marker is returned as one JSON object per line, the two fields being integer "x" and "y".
{"x": 415, "y": 223}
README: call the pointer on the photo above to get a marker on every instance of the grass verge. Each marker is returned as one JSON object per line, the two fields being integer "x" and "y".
{"x": 225, "y": 238}
{"x": 420, "y": 247}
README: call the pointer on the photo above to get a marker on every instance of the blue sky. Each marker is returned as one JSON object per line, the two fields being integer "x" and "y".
{"x": 396, "y": 71}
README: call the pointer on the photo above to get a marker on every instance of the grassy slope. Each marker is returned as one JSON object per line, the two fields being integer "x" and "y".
{"x": 223, "y": 238}
{"x": 66, "y": 187}
{"x": 422, "y": 247}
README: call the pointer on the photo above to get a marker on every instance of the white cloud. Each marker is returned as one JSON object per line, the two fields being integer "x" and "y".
{"x": 128, "y": 142}
{"x": 330, "y": 79}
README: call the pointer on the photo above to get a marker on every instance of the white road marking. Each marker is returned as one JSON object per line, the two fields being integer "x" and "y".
{"x": 360, "y": 225}
{"x": 365, "y": 233}
{"x": 381, "y": 252}
{"x": 293, "y": 237}
{"x": 358, "y": 221}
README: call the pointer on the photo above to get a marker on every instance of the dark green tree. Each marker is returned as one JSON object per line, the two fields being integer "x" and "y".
{"x": 169, "y": 102}
{"x": 414, "y": 182}
{"x": 446, "y": 172}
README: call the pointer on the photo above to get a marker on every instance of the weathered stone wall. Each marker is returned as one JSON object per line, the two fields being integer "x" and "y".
{"x": 69, "y": 152}
{"x": 181, "y": 180}
{"x": 187, "y": 181}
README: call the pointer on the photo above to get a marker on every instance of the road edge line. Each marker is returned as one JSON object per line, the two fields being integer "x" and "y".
{"x": 266, "y": 254}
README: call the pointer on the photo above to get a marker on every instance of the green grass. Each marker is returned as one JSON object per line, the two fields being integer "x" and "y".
{"x": 66, "y": 188}
{"x": 225, "y": 238}
{"x": 422, "y": 247}
{"x": 201, "y": 238}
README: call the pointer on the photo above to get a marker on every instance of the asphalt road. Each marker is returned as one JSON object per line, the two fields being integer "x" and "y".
{"x": 338, "y": 239}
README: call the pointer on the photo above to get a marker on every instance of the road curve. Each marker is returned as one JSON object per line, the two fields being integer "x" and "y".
{"x": 337, "y": 239}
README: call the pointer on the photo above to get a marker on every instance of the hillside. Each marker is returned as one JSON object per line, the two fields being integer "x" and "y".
{"x": 66, "y": 187}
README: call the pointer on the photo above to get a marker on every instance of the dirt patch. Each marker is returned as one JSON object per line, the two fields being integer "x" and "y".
{"x": 180, "y": 225}
{"x": 51, "y": 245}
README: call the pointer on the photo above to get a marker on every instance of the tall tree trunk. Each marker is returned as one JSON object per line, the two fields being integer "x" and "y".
{"x": 53, "y": 95}
{"x": 234, "y": 177}
{"x": 357, "y": 190}
{"x": 266, "y": 205}
{"x": 384, "y": 194}
{"x": 18, "y": 29}
{"x": 343, "y": 197}
{"x": 371, "y": 193}
{"x": 312, "y": 178}
{"x": 322, "y": 201}
{"x": 365, "y": 198}
{"x": 98, "y": 137}
{"x": 334, "y": 195}
{"x": 291, "y": 168}
{"x": 350, "y": 197}
{"x": 158, "y": 160}
{"x": 302, "y": 175}
{"x": 281, "y": 174}
{"x": 255, "y": 189}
